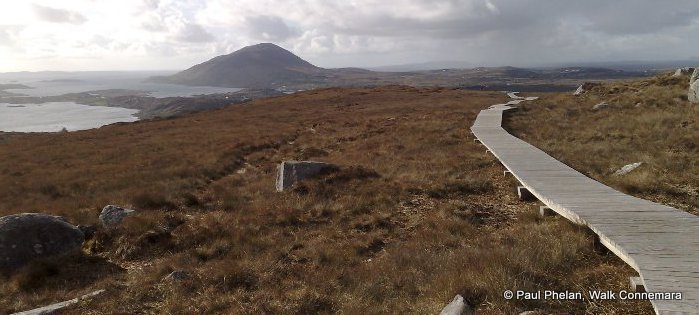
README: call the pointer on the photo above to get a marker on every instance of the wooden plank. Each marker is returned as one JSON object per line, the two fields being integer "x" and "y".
{"x": 660, "y": 242}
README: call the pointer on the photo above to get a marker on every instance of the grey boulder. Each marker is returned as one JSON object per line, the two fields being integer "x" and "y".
{"x": 112, "y": 215}
{"x": 693, "y": 94}
{"x": 29, "y": 236}
{"x": 457, "y": 307}
{"x": 290, "y": 172}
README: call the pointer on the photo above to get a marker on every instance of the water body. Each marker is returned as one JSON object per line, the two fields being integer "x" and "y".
{"x": 58, "y": 83}
{"x": 55, "y": 116}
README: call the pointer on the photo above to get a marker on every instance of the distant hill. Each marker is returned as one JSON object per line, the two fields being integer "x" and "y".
{"x": 268, "y": 66}
{"x": 423, "y": 66}
{"x": 258, "y": 66}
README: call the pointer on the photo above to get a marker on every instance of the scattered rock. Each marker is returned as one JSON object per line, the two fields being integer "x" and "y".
{"x": 457, "y": 307}
{"x": 585, "y": 87}
{"x": 600, "y": 106}
{"x": 177, "y": 275}
{"x": 29, "y": 236}
{"x": 88, "y": 230}
{"x": 529, "y": 313}
{"x": 627, "y": 168}
{"x": 683, "y": 71}
{"x": 693, "y": 94}
{"x": 291, "y": 172}
{"x": 51, "y": 309}
{"x": 113, "y": 215}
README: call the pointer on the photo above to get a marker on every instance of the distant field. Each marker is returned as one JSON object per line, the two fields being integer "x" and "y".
{"x": 417, "y": 213}
{"x": 648, "y": 121}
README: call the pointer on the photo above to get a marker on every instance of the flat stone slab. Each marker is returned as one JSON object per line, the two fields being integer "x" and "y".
{"x": 50, "y": 309}
{"x": 291, "y": 172}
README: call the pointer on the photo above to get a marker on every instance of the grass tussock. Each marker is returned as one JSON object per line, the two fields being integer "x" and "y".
{"x": 648, "y": 121}
{"x": 414, "y": 214}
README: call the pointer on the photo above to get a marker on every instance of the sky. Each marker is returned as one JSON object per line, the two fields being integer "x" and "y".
{"x": 72, "y": 35}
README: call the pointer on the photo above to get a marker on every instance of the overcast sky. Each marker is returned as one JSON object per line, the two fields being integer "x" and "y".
{"x": 174, "y": 34}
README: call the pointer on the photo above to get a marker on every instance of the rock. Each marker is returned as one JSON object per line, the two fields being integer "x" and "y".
{"x": 683, "y": 71}
{"x": 177, "y": 275}
{"x": 600, "y": 106}
{"x": 627, "y": 168}
{"x": 51, "y": 309}
{"x": 113, "y": 215}
{"x": 88, "y": 230}
{"x": 29, "y": 236}
{"x": 529, "y": 313}
{"x": 291, "y": 172}
{"x": 693, "y": 94}
{"x": 456, "y": 307}
{"x": 585, "y": 87}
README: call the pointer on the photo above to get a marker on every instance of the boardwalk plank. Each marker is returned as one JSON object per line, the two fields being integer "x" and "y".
{"x": 660, "y": 242}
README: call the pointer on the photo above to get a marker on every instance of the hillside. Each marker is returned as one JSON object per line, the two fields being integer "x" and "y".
{"x": 416, "y": 214}
{"x": 258, "y": 66}
{"x": 267, "y": 66}
{"x": 648, "y": 121}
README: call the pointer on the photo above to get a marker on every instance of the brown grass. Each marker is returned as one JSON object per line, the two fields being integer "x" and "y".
{"x": 415, "y": 214}
{"x": 648, "y": 121}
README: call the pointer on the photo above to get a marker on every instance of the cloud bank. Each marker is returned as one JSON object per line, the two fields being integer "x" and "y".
{"x": 172, "y": 34}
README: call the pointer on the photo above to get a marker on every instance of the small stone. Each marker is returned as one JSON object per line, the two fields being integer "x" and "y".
{"x": 628, "y": 168}
{"x": 585, "y": 87}
{"x": 600, "y": 106}
{"x": 113, "y": 215}
{"x": 177, "y": 275}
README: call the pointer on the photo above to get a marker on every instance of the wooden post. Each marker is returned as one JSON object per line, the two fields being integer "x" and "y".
{"x": 636, "y": 284}
{"x": 524, "y": 194}
{"x": 545, "y": 211}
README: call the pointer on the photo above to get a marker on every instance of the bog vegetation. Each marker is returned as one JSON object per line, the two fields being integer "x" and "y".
{"x": 416, "y": 213}
{"x": 648, "y": 121}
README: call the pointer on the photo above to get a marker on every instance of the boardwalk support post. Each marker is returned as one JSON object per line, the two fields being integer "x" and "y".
{"x": 477, "y": 141}
{"x": 505, "y": 173}
{"x": 636, "y": 284}
{"x": 524, "y": 194}
{"x": 545, "y": 211}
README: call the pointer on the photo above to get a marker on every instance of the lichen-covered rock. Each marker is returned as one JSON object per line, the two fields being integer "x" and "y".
{"x": 585, "y": 87}
{"x": 683, "y": 71}
{"x": 29, "y": 236}
{"x": 693, "y": 94}
{"x": 291, "y": 172}
{"x": 113, "y": 215}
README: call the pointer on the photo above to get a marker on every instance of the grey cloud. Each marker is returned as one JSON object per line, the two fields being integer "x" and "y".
{"x": 54, "y": 15}
{"x": 267, "y": 27}
{"x": 8, "y": 34}
{"x": 194, "y": 33}
{"x": 151, "y": 4}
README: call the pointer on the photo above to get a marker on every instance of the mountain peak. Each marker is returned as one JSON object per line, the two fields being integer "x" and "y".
{"x": 260, "y": 65}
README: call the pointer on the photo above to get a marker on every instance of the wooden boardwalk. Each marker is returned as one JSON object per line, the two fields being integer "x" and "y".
{"x": 660, "y": 242}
